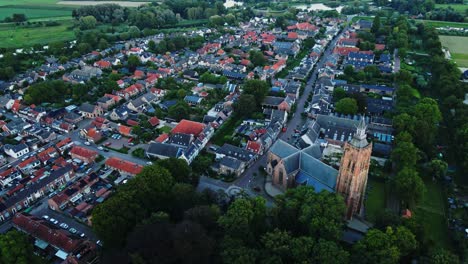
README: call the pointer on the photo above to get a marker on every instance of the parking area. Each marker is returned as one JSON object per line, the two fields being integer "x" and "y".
{"x": 116, "y": 142}
{"x": 43, "y": 210}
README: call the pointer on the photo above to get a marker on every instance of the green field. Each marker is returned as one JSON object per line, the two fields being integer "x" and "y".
{"x": 32, "y": 12}
{"x": 457, "y": 47}
{"x": 375, "y": 203}
{"x": 12, "y": 36}
{"x": 457, "y": 7}
{"x": 27, "y": 2}
{"x": 431, "y": 212}
{"x": 435, "y": 23}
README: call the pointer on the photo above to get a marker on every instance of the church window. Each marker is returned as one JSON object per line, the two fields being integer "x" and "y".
{"x": 280, "y": 176}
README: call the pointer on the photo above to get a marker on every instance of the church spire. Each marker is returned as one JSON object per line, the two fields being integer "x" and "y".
{"x": 361, "y": 129}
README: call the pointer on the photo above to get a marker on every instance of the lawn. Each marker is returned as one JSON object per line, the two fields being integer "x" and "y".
{"x": 431, "y": 212}
{"x": 27, "y": 2}
{"x": 457, "y": 47}
{"x": 226, "y": 129}
{"x": 13, "y": 36}
{"x": 375, "y": 203}
{"x": 457, "y": 7}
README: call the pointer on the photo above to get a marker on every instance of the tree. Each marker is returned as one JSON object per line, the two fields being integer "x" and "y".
{"x": 147, "y": 192}
{"x": 376, "y": 24}
{"x": 152, "y": 46}
{"x": 15, "y": 247}
{"x": 230, "y": 19}
{"x": 349, "y": 70}
{"x": 303, "y": 211}
{"x": 257, "y": 88}
{"x": 179, "y": 111}
{"x": 442, "y": 256}
{"x": 347, "y": 106}
{"x": 103, "y": 44}
{"x": 133, "y": 62}
{"x": 329, "y": 252}
{"x": 245, "y": 106}
{"x": 376, "y": 247}
{"x": 217, "y": 20}
{"x": 87, "y": 22}
{"x": 404, "y": 122}
{"x": 257, "y": 58}
{"x": 428, "y": 116}
{"x": 338, "y": 94}
{"x": 179, "y": 169}
{"x": 405, "y": 154}
{"x": 409, "y": 186}
{"x": 438, "y": 168}
{"x": 134, "y": 32}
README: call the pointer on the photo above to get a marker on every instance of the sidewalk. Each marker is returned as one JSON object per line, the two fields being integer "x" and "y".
{"x": 270, "y": 189}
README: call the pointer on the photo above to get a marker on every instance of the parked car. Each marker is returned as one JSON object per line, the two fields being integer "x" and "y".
{"x": 64, "y": 226}
{"x": 53, "y": 221}
{"x": 72, "y": 230}
{"x": 46, "y": 217}
{"x": 87, "y": 143}
{"x": 100, "y": 148}
{"x": 82, "y": 235}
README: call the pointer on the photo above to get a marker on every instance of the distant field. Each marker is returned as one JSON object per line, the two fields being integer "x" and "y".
{"x": 34, "y": 11}
{"x": 457, "y": 47}
{"x": 27, "y": 2}
{"x": 12, "y": 36}
{"x": 85, "y": 3}
{"x": 457, "y": 7}
{"x": 435, "y": 23}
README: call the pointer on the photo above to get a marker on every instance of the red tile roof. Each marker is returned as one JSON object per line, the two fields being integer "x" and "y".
{"x": 292, "y": 35}
{"x": 132, "y": 122}
{"x": 253, "y": 146}
{"x": 188, "y": 127}
{"x": 124, "y": 165}
{"x": 154, "y": 121}
{"x": 40, "y": 229}
{"x": 63, "y": 142}
{"x": 163, "y": 137}
{"x": 83, "y": 152}
{"x": 125, "y": 130}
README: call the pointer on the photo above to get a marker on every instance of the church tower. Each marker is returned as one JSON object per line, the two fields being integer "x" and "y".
{"x": 354, "y": 167}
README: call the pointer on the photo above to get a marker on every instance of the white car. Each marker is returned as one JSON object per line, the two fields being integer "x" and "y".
{"x": 46, "y": 217}
{"x": 64, "y": 226}
{"x": 100, "y": 148}
{"x": 53, "y": 221}
{"x": 87, "y": 143}
{"x": 72, "y": 230}
{"x": 82, "y": 235}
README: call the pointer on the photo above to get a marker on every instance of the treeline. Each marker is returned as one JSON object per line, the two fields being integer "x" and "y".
{"x": 196, "y": 9}
{"x": 162, "y": 219}
{"x": 425, "y": 8}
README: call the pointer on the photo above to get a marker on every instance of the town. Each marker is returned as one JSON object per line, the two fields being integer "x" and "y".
{"x": 258, "y": 109}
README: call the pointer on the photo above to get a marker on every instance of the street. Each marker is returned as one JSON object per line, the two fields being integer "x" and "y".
{"x": 296, "y": 120}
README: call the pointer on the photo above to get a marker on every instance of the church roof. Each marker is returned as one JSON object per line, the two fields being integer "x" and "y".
{"x": 282, "y": 149}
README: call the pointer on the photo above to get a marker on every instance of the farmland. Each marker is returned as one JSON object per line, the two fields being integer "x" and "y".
{"x": 457, "y": 7}
{"x": 435, "y": 23}
{"x": 12, "y": 36}
{"x": 457, "y": 47}
{"x": 35, "y": 11}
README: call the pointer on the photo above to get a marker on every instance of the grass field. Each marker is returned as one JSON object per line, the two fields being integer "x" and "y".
{"x": 32, "y": 12}
{"x": 435, "y": 23}
{"x": 13, "y": 36}
{"x": 431, "y": 213}
{"x": 457, "y": 7}
{"x": 457, "y": 47}
{"x": 375, "y": 203}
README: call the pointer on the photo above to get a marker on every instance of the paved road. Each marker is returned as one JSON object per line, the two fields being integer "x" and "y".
{"x": 295, "y": 122}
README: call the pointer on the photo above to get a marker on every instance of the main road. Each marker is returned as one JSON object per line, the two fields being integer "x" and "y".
{"x": 296, "y": 120}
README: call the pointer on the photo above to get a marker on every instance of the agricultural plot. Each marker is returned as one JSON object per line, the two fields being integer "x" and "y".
{"x": 457, "y": 47}
{"x": 457, "y": 7}
{"x": 33, "y": 12}
{"x": 12, "y": 36}
{"x": 434, "y": 23}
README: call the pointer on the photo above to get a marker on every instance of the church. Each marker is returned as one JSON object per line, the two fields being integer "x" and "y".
{"x": 290, "y": 167}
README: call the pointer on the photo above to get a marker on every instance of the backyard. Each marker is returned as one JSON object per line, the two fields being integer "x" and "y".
{"x": 457, "y": 47}
{"x": 431, "y": 212}
{"x": 375, "y": 203}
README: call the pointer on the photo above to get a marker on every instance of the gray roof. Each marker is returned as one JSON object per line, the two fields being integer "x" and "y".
{"x": 291, "y": 163}
{"x": 162, "y": 149}
{"x": 318, "y": 170}
{"x": 87, "y": 108}
{"x": 273, "y": 100}
{"x": 230, "y": 162}
{"x": 282, "y": 149}
{"x": 235, "y": 152}
{"x": 181, "y": 139}
{"x": 313, "y": 151}
{"x": 16, "y": 148}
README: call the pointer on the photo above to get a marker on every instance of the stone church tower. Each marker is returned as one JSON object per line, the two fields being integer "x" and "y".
{"x": 354, "y": 167}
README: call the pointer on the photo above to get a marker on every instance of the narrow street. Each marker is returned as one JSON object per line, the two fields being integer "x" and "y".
{"x": 296, "y": 120}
